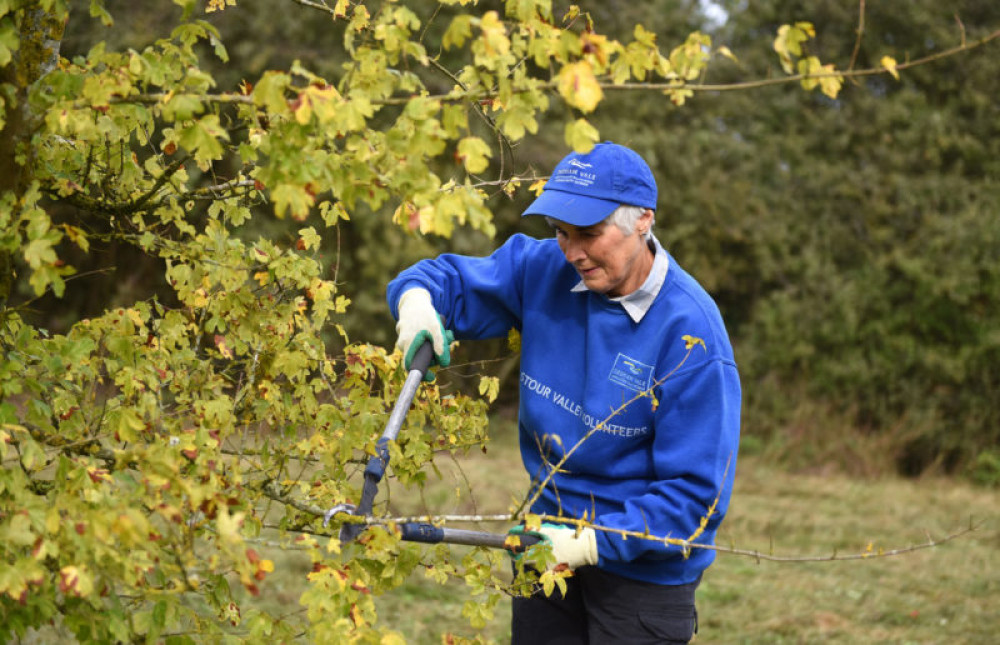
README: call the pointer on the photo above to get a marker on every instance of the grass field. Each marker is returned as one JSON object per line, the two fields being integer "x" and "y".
{"x": 949, "y": 593}
{"x": 945, "y": 594}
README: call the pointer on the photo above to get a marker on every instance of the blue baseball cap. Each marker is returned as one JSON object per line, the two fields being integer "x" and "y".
{"x": 586, "y": 188}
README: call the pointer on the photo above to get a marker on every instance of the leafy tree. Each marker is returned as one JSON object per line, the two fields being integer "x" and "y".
{"x": 149, "y": 447}
{"x": 854, "y": 265}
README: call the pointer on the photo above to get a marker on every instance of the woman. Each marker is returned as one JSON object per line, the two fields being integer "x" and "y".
{"x": 625, "y": 418}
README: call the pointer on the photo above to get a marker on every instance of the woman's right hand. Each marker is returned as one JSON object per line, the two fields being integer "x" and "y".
{"x": 419, "y": 321}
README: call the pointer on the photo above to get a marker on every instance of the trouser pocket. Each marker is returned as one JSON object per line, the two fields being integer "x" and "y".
{"x": 671, "y": 624}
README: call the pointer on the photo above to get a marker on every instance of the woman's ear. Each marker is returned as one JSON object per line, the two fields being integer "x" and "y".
{"x": 644, "y": 222}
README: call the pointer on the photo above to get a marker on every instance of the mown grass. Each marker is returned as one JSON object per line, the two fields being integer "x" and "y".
{"x": 945, "y": 594}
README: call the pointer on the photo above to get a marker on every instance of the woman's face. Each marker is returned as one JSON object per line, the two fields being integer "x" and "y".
{"x": 608, "y": 261}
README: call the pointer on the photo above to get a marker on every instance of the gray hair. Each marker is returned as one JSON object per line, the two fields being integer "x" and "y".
{"x": 625, "y": 218}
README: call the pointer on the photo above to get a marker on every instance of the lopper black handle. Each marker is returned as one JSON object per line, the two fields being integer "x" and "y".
{"x": 430, "y": 534}
{"x": 422, "y": 359}
{"x": 377, "y": 463}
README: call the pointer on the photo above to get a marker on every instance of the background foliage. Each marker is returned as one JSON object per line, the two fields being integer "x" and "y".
{"x": 201, "y": 203}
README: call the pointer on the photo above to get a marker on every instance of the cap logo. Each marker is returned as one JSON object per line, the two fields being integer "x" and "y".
{"x": 579, "y": 175}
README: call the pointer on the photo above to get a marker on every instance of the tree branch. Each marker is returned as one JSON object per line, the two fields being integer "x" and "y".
{"x": 860, "y": 32}
{"x": 870, "y": 553}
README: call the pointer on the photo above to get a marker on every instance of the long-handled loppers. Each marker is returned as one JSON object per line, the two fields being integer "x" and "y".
{"x": 375, "y": 470}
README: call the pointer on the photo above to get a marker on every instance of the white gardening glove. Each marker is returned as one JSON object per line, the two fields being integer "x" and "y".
{"x": 572, "y": 547}
{"x": 418, "y": 321}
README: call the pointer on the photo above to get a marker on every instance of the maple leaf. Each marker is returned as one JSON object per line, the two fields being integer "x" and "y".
{"x": 579, "y": 86}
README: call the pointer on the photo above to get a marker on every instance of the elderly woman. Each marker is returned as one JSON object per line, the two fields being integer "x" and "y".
{"x": 625, "y": 419}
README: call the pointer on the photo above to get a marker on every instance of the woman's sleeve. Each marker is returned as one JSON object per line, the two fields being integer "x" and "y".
{"x": 479, "y": 297}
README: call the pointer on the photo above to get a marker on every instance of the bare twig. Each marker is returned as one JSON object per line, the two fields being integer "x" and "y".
{"x": 860, "y": 31}
{"x": 275, "y": 493}
{"x": 648, "y": 393}
{"x": 484, "y": 94}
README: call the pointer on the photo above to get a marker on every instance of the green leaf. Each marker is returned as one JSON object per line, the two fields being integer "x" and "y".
{"x": 475, "y": 154}
{"x": 292, "y": 199}
{"x": 17, "y": 531}
{"x": 788, "y": 42}
{"x": 8, "y": 40}
{"x": 182, "y": 107}
{"x": 15, "y": 577}
{"x": 269, "y": 92}
{"x": 40, "y": 252}
{"x": 459, "y": 31}
{"x": 97, "y": 10}
{"x": 128, "y": 425}
{"x": 310, "y": 238}
{"x": 203, "y": 138}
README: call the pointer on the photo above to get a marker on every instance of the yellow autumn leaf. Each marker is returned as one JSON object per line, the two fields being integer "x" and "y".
{"x": 219, "y": 5}
{"x": 815, "y": 74}
{"x": 690, "y": 341}
{"x": 678, "y": 95}
{"x": 220, "y": 344}
{"x": 494, "y": 35}
{"x": 76, "y": 581}
{"x": 135, "y": 317}
{"x": 581, "y": 135}
{"x": 200, "y": 298}
{"x": 579, "y": 87}
{"x": 228, "y": 526}
{"x": 303, "y": 109}
{"x": 889, "y": 63}
{"x": 537, "y": 187}
{"x": 548, "y": 583}
{"x": 98, "y": 474}
{"x": 830, "y": 85}
{"x": 489, "y": 386}
{"x": 320, "y": 290}
{"x": 393, "y": 638}
{"x": 728, "y": 53}
{"x": 77, "y": 236}
{"x": 357, "y": 617}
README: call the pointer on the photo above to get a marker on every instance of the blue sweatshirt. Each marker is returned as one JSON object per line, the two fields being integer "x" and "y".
{"x": 656, "y": 466}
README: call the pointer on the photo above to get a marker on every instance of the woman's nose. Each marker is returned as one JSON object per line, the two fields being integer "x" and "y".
{"x": 573, "y": 250}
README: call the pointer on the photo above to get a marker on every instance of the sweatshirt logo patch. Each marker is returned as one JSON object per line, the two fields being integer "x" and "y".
{"x": 631, "y": 373}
